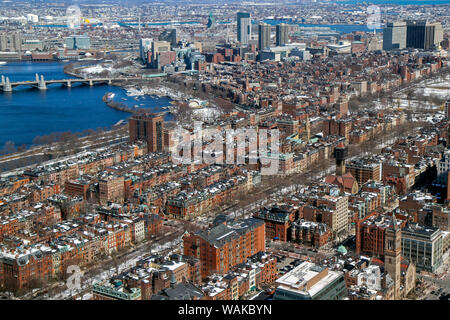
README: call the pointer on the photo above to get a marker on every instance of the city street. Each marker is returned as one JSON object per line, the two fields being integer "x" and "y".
{"x": 437, "y": 286}
{"x": 106, "y": 269}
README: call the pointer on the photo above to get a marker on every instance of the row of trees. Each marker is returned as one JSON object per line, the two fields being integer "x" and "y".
{"x": 388, "y": 97}
{"x": 65, "y": 140}
{"x": 266, "y": 190}
{"x": 10, "y": 147}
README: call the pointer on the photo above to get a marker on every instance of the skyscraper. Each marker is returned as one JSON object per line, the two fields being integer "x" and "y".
{"x": 148, "y": 127}
{"x": 244, "y": 28}
{"x": 282, "y": 34}
{"x": 263, "y": 36}
{"x": 415, "y": 37}
{"x": 394, "y": 36}
{"x": 169, "y": 35}
{"x": 421, "y": 34}
{"x": 145, "y": 45}
{"x": 434, "y": 35}
{"x": 158, "y": 47}
{"x": 211, "y": 20}
{"x": 418, "y": 34}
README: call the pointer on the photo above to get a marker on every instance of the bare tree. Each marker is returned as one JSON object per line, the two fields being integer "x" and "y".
{"x": 8, "y": 148}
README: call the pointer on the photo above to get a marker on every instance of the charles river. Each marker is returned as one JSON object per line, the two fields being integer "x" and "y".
{"x": 28, "y": 112}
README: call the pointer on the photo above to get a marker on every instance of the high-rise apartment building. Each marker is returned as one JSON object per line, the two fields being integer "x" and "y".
{"x": 394, "y": 36}
{"x": 364, "y": 170}
{"x": 263, "y": 36}
{"x": 331, "y": 210}
{"x": 244, "y": 27}
{"x": 149, "y": 128}
{"x": 281, "y": 34}
{"x": 225, "y": 245}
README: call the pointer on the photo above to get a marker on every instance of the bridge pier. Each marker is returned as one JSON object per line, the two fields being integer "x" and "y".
{"x": 7, "y": 86}
{"x": 42, "y": 85}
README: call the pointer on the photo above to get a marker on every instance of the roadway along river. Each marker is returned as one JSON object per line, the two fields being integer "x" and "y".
{"x": 28, "y": 112}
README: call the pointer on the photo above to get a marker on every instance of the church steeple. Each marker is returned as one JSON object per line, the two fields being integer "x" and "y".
{"x": 394, "y": 222}
{"x": 340, "y": 153}
{"x": 392, "y": 254}
{"x": 307, "y": 132}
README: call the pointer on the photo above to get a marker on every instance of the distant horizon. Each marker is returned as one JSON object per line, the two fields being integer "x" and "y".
{"x": 299, "y": 2}
{"x": 394, "y": 2}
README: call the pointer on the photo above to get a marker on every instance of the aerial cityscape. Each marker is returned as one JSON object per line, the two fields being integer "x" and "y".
{"x": 224, "y": 150}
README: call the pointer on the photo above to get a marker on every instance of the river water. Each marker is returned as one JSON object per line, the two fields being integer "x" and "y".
{"x": 28, "y": 112}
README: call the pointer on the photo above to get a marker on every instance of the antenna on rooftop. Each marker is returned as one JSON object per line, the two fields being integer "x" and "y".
{"x": 139, "y": 25}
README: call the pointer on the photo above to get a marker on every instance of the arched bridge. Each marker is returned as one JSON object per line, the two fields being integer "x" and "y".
{"x": 7, "y": 86}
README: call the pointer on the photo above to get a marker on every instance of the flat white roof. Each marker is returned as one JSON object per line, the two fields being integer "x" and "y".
{"x": 173, "y": 266}
{"x": 303, "y": 273}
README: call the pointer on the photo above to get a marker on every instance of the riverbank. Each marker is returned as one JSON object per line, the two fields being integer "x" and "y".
{"x": 158, "y": 91}
{"x": 139, "y": 88}
{"x": 19, "y": 161}
{"x": 123, "y": 67}
{"x": 115, "y": 105}
{"x": 120, "y": 106}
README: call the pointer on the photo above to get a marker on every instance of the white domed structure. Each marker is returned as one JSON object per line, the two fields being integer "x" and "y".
{"x": 194, "y": 104}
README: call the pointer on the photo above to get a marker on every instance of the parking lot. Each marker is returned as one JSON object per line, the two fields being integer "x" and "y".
{"x": 437, "y": 294}
{"x": 286, "y": 264}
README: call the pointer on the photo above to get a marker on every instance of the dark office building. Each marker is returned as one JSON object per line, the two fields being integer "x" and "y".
{"x": 169, "y": 35}
{"x": 421, "y": 34}
{"x": 282, "y": 34}
{"x": 244, "y": 27}
{"x": 263, "y": 36}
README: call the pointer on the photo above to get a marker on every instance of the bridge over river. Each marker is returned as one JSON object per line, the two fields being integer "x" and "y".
{"x": 7, "y": 86}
